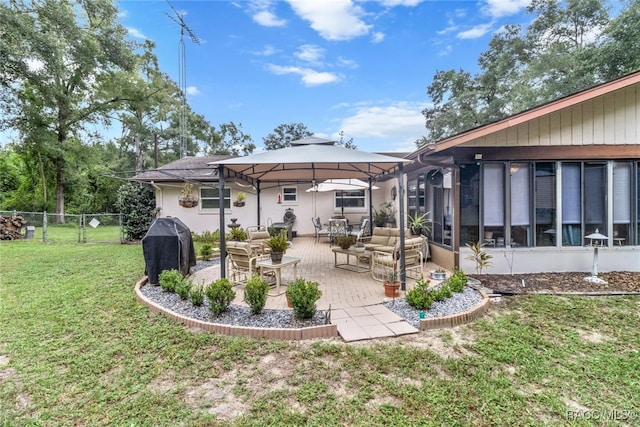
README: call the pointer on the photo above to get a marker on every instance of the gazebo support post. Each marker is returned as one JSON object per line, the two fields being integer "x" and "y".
{"x": 258, "y": 197}
{"x": 223, "y": 243}
{"x": 370, "y": 207}
{"x": 403, "y": 271}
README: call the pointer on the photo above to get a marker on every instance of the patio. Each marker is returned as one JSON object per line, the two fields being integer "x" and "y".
{"x": 355, "y": 298}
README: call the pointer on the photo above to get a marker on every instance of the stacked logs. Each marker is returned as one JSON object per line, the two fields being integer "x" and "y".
{"x": 10, "y": 227}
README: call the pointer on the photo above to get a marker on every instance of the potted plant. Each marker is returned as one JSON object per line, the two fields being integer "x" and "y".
{"x": 187, "y": 198}
{"x": 358, "y": 247}
{"x": 278, "y": 244}
{"x": 418, "y": 223}
{"x": 439, "y": 274}
{"x": 238, "y": 234}
{"x": 345, "y": 242}
{"x": 240, "y": 198}
{"x": 392, "y": 284}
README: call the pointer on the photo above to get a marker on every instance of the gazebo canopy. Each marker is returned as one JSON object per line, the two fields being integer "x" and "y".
{"x": 311, "y": 159}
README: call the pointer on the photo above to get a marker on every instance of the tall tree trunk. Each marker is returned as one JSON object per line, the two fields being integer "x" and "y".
{"x": 60, "y": 175}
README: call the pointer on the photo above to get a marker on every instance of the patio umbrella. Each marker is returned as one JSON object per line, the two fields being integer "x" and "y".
{"x": 341, "y": 185}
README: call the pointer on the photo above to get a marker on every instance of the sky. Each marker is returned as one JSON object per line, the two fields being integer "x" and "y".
{"x": 357, "y": 67}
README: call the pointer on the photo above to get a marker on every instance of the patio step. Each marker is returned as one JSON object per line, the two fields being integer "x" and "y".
{"x": 368, "y": 322}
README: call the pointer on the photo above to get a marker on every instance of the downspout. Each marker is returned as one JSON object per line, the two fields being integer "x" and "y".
{"x": 370, "y": 208}
{"x": 159, "y": 190}
{"x": 223, "y": 243}
{"x": 403, "y": 272}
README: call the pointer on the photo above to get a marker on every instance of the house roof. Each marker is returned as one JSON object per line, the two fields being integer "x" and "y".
{"x": 312, "y": 159}
{"x": 527, "y": 115}
{"x": 188, "y": 168}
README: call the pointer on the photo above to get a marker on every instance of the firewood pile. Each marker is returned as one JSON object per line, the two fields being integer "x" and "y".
{"x": 10, "y": 227}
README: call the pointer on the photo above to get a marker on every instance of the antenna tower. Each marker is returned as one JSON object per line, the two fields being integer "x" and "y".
{"x": 178, "y": 18}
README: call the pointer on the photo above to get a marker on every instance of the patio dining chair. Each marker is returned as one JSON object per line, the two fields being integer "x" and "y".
{"x": 362, "y": 231}
{"x": 241, "y": 261}
{"x": 318, "y": 228}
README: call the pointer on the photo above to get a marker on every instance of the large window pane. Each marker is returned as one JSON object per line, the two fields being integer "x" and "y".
{"x": 621, "y": 203}
{"x": 595, "y": 198}
{"x": 493, "y": 204}
{"x": 545, "y": 204}
{"x": 469, "y": 203}
{"x": 520, "y": 204}
{"x": 210, "y": 200}
{"x": 571, "y": 204}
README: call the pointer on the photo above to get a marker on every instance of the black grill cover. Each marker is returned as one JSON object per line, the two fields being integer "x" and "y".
{"x": 168, "y": 245}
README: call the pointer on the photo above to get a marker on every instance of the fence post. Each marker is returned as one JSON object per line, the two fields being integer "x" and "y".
{"x": 121, "y": 229}
{"x": 44, "y": 227}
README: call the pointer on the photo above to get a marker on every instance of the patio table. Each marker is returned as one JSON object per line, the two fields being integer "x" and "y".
{"x": 352, "y": 267}
{"x": 268, "y": 265}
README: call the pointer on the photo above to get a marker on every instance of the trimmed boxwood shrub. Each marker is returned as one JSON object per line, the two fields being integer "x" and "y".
{"x": 302, "y": 295}
{"x": 255, "y": 294}
{"x": 220, "y": 294}
{"x": 169, "y": 280}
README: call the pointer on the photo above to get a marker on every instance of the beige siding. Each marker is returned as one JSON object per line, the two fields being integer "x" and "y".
{"x": 610, "y": 119}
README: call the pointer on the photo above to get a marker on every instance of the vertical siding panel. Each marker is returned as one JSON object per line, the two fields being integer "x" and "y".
{"x": 523, "y": 134}
{"x": 565, "y": 127}
{"x": 576, "y": 125}
{"x": 620, "y": 116}
{"x": 554, "y": 129}
{"x": 630, "y": 115}
{"x": 598, "y": 120}
{"x": 534, "y": 132}
{"x": 512, "y": 136}
{"x": 587, "y": 123}
{"x": 544, "y": 130}
{"x": 501, "y": 138}
{"x": 609, "y": 119}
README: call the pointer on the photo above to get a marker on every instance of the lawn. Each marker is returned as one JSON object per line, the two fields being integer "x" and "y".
{"x": 76, "y": 349}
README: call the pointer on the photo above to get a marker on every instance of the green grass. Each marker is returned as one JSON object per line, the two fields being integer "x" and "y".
{"x": 77, "y": 349}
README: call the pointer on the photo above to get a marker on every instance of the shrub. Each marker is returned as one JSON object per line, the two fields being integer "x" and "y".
{"x": 197, "y": 295}
{"x": 420, "y": 297}
{"x": 137, "y": 203}
{"x": 169, "y": 279}
{"x": 457, "y": 281}
{"x": 220, "y": 294}
{"x": 206, "y": 251}
{"x": 303, "y": 295}
{"x": 210, "y": 237}
{"x": 183, "y": 288}
{"x": 255, "y": 294}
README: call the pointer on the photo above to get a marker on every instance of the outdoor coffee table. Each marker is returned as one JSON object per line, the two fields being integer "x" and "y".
{"x": 352, "y": 267}
{"x": 268, "y": 265}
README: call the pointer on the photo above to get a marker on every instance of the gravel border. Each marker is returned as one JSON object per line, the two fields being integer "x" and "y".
{"x": 237, "y": 315}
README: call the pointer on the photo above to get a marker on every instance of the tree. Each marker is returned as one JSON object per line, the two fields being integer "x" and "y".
{"x": 136, "y": 202}
{"x": 284, "y": 134}
{"x": 560, "y": 53}
{"x": 348, "y": 143}
{"x": 231, "y": 140}
{"x": 58, "y": 62}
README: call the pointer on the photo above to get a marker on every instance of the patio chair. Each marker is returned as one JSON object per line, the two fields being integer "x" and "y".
{"x": 258, "y": 239}
{"x": 319, "y": 230}
{"x": 383, "y": 262}
{"x": 241, "y": 261}
{"x": 362, "y": 231}
{"x": 337, "y": 228}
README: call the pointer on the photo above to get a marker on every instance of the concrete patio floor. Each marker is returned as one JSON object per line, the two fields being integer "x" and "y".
{"x": 355, "y": 298}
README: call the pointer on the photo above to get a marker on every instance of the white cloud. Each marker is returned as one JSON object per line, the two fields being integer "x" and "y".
{"x": 310, "y": 53}
{"x": 346, "y": 63}
{"x": 397, "y": 121}
{"x": 268, "y": 19}
{"x": 500, "y": 8}
{"x": 309, "y": 77}
{"x": 192, "y": 90}
{"x": 475, "y": 32}
{"x": 136, "y": 33}
{"x": 394, "y": 3}
{"x": 333, "y": 20}
{"x": 377, "y": 37}
{"x": 267, "y": 51}
{"x": 445, "y": 50}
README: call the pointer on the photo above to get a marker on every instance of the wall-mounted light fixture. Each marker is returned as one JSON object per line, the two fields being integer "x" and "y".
{"x": 478, "y": 156}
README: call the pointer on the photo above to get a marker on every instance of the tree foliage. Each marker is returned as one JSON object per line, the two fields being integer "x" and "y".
{"x": 569, "y": 46}
{"x": 58, "y": 62}
{"x": 136, "y": 202}
{"x": 284, "y": 134}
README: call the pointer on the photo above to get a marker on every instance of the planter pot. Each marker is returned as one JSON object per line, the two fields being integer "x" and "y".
{"x": 188, "y": 202}
{"x": 238, "y": 204}
{"x": 438, "y": 276}
{"x": 358, "y": 249}
{"x": 276, "y": 257}
{"x": 392, "y": 290}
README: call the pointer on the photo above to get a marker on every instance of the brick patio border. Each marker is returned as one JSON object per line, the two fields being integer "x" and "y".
{"x": 295, "y": 334}
{"x": 457, "y": 319}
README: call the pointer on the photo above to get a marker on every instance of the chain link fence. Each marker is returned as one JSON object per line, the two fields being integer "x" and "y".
{"x": 83, "y": 228}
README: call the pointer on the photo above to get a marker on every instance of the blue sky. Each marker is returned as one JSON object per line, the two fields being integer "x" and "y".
{"x": 361, "y": 67}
